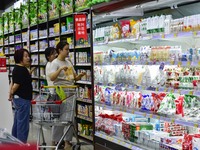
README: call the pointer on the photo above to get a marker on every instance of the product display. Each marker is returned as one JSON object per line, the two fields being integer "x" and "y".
{"x": 147, "y": 84}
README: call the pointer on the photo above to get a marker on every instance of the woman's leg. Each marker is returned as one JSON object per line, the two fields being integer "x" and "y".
{"x": 14, "y": 127}
{"x": 21, "y": 125}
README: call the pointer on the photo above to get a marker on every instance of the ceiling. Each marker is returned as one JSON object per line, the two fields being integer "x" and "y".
{"x": 6, "y": 3}
{"x": 140, "y": 9}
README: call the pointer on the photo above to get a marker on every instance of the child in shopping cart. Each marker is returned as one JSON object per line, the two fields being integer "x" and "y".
{"x": 63, "y": 73}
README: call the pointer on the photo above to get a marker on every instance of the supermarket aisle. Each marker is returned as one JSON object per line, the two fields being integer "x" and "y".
{"x": 47, "y": 132}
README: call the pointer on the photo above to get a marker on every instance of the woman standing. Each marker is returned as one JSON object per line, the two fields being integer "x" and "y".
{"x": 21, "y": 94}
{"x": 50, "y": 55}
{"x": 58, "y": 75}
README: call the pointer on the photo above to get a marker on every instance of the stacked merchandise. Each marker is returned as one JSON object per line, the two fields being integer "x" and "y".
{"x": 138, "y": 129}
{"x": 181, "y": 106}
{"x": 155, "y": 25}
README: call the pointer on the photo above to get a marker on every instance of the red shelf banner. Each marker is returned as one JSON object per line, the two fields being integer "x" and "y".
{"x": 80, "y": 27}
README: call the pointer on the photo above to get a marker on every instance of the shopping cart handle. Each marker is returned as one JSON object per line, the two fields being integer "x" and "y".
{"x": 62, "y": 86}
{"x": 33, "y": 102}
{"x": 58, "y": 102}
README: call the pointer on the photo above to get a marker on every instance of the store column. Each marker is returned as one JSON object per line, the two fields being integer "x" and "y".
{"x": 6, "y": 115}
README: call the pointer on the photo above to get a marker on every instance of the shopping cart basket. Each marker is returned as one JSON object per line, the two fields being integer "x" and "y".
{"x": 55, "y": 112}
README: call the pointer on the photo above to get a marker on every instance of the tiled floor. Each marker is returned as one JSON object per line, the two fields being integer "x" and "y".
{"x": 33, "y": 136}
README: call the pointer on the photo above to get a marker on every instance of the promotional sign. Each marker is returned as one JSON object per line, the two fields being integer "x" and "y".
{"x": 80, "y": 27}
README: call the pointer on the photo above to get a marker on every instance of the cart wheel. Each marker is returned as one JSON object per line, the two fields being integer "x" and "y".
{"x": 76, "y": 147}
{"x": 43, "y": 144}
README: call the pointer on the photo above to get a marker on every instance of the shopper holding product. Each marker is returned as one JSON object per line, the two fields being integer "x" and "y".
{"x": 63, "y": 73}
{"x": 21, "y": 94}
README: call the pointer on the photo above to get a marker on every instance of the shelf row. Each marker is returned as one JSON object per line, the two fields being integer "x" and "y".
{"x": 84, "y": 118}
{"x": 84, "y": 100}
{"x": 167, "y": 118}
{"x": 194, "y": 92}
{"x": 155, "y": 36}
{"x": 129, "y": 145}
{"x": 86, "y": 137}
{"x": 178, "y": 63}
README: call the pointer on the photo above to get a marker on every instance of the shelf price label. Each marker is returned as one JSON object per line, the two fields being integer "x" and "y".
{"x": 179, "y": 92}
{"x": 195, "y": 33}
{"x": 132, "y": 111}
{"x": 190, "y": 93}
{"x": 179, "y": 63}
{"x": 163, "y": 36}
{"x": 188, "y": 63}
{"x": 158, "y": 117}
{"x": 151, "y": 116}
{"x": 175, "y": 35}
{"x": 199, "y": 63}
{"x": 172, "y": 120}
{"x": 120, "y": 109}
{"x": 172, "y": 62}
{"x": 144, "y": 114}
{"x": 166, "y": 89}
{"x": 196, "y": 125}
{"x": 125, "y": 110}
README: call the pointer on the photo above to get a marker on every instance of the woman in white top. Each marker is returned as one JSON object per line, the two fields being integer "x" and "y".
{"x": 58, "y": 75}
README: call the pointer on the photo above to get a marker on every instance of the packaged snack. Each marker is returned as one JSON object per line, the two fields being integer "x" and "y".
{"x": 125, "y": 25}
{"x": 69, "y": 74}
{"x": 115, "y": 32}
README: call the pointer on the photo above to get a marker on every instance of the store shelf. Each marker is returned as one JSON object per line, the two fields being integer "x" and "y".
{"x": 83, "y": 64}
{"x": 17, "y": 42}
{"x": 179, "y": 63}
{"x": 86, "y": 137}
{"x": 82, "y": 46}
{"x": 44, "y": 37}
{"x": 35, "y": 77}
{"x": 67, "y": 33}
{"x": 35, "y": 90}
{"x": 66, "y": 14}
{"x": 121, "y": 142}
{"x": 84, "y": 82}
{"x": 160, "y": 36}
{"x": 84, "y": 100}
{"x": 34, "y": 51}
{"x": 84, "y": 117}
{"x": 52, "y": 36}
{"x": 172, "y": 119}
{"x": 41, "y": 50}
{"x": 34, "y": 39}
{"x": 194, "y": 92}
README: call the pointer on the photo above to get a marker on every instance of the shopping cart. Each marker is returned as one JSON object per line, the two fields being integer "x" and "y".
{"x": 50, "y": 110}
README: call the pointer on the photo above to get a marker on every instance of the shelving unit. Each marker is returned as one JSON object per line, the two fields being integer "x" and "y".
{"x": 117, "y": 75}
{"x": 40, "y": 24}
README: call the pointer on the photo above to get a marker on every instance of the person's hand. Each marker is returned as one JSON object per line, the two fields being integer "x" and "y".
{"x": 10, "y": 98}
{"x": 83, "y": 73}
{"x": 63, "y": 68}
